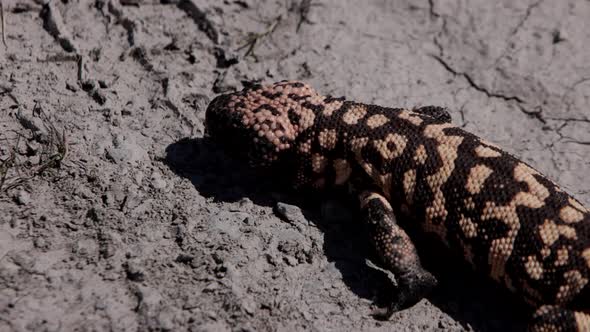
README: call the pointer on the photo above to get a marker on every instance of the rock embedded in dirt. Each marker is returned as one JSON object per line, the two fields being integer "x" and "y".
{"x": 134, "y": 270}
{"x": 29, "y": 120}
{"x": 72, "y": 87}
{"x": 156, "y": 180}
{"x": 290, "y": 213}
{"x": 23, "y": 197}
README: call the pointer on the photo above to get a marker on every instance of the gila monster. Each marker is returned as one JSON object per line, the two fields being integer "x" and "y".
{"x": 504, "y": 217}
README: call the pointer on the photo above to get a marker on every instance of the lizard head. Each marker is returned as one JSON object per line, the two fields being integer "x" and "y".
{"x": 262, "y": 123}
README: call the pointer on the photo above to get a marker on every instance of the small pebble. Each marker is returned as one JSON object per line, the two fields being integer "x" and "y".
{"x": 249, "y": 307}
{"x": 290, "y": 213}
{"x": 23, "y": 197}
{"x": 71, "y": 87}
{"x": 134, "y": 271}
{"x": 157, "y": 181}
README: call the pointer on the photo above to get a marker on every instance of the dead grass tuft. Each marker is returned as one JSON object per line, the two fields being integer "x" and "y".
{"x": 31, "y": 151}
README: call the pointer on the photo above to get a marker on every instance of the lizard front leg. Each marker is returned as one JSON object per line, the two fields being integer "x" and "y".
{"x": 396, "y": 252}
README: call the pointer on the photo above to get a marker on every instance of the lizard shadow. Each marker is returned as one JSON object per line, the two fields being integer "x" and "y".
{"x": 467, "y": 297}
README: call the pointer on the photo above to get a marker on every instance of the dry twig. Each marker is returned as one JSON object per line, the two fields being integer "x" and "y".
{"x": 3, "y": 24}
{"x": 254, "y": 38}
{"x": 303, "y": 10}
{"x": 17, "y": 169}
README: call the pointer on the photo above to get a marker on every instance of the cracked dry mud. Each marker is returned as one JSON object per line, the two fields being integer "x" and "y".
{"x": 128, "y": 222}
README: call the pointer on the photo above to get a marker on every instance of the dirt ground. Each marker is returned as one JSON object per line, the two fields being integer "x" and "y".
{"x": 114, "y": 216}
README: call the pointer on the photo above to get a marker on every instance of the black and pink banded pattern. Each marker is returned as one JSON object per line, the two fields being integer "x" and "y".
{"x": 504, "y": 217}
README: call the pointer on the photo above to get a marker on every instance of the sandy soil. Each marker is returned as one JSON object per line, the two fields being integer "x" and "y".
{"x": 115, "y": 216}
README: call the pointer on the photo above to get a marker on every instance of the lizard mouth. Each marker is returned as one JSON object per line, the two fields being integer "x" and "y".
{"x": 224, "y": 126}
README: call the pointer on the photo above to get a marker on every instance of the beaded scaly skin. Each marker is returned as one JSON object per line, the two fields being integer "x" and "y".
{"x": 505, "y": 218}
